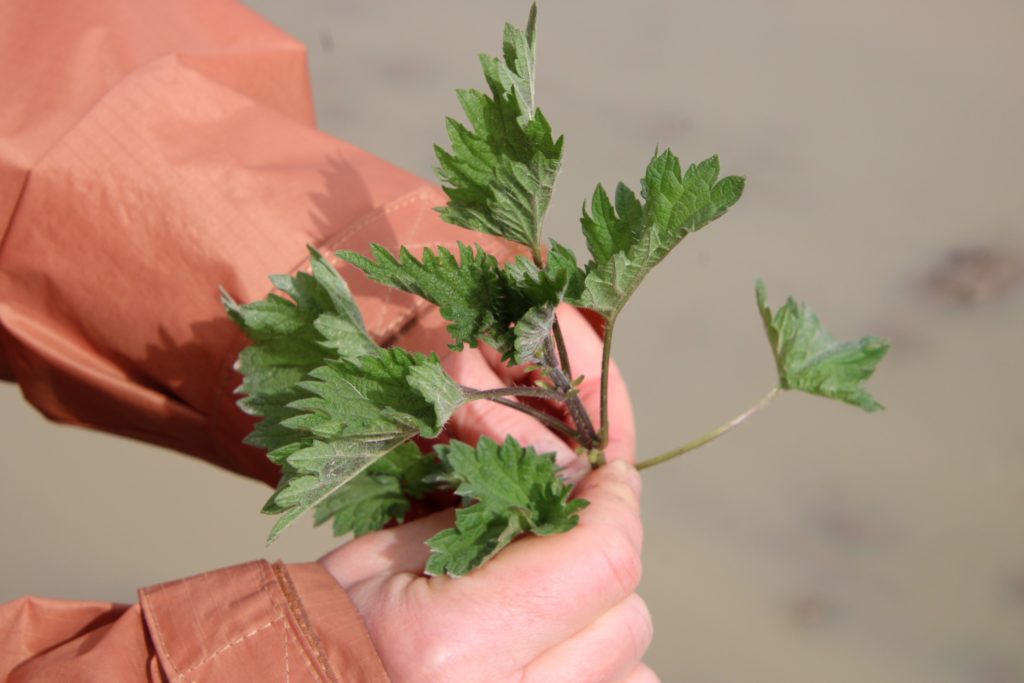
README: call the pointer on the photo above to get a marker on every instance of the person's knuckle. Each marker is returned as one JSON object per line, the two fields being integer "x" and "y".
{"x": 640, "y": 625}
{"x": 622, "y": 561}
{"x": 424, "y": 652}
{"x": 434, "y": 657}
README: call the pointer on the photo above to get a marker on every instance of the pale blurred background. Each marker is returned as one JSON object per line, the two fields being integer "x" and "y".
{"x": 884, "y": 156}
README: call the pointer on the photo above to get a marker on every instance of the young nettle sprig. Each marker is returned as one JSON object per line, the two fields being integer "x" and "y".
{"x": 338, "y": 412}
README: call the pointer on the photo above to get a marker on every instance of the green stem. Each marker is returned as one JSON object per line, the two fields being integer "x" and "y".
{"x": 561, "y": 374}
{"x": 563, "y": 352}
{"x": 606, "y": 360}
{"x": 710, "y": 436}
{"x": 551, "y": 421}
{"x": 580, "y": 416}
{"x": 472, "y": 394}
{"x": 538, "y": 255}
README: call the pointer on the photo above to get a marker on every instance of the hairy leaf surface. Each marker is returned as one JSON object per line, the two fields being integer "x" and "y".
{"x": 379, "y": 494}
{"x": 628, "y": 238}
{"x": 510, "y": 307}
{"x": 471, "y": 291}
{"x": 356, "y": 412}
{"x": 500, "y": 174}
{"x": 291, "y": 338}
{"x": 331, "y": 401}
{"x": 809, "y": 359}
{"x": 515, "y": 490}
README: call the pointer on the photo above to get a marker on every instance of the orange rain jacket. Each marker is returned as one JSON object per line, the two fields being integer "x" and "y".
{"x": 151, "y": 152}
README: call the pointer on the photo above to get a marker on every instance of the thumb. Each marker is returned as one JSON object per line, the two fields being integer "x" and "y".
{"x": 386, "y": 552}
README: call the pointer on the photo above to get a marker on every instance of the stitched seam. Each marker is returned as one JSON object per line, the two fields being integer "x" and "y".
{"x": 286, "y": 624}
{"x": 294, "y": 604}
{"x": 278, "y": 609}
{"x": 422, "y": 194}
{"x": 413, "y": 231}
{"x": 160, "y": 637}
{"x": 288, "y": 636}
{"x": 287, "y": 668}
{"x": 416, "y": 195}
{"x": 183, "y": 674}
{"x": 305, "y": 658}
{"x": 230, "y": 645}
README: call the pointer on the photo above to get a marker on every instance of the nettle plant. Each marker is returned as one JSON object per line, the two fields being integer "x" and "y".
{"x": 339, "y": 413}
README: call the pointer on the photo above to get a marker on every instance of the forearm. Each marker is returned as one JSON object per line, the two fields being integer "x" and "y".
{"x": 151, "y": 169}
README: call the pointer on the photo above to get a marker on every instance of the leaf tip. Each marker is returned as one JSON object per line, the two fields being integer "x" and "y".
{"x": 229, "y": 303}
{"x": 761, "y": 292}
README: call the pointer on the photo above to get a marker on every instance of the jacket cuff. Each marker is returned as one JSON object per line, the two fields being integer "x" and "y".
{"x": 334, "y": 623}
{"x": 258, "y": 621}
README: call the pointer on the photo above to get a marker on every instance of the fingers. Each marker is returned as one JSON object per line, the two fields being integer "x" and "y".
{"x": 386, "y": 552}
{"x": 607, "y": 651}
{"x": 486, "y": 418}
{"x": 540, "y": 591}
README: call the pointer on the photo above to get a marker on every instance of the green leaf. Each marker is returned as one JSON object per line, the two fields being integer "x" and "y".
{"x": 314, "y": 473}
{"x": 499, "y": 176}
{"x": 471, "y": 291}
{"x": 516, "y": 491}
{"x": 341, "y": 325}
{"x": 393, "y": 392}
{"x": 511, "y": 307}
{"x": 542, "y": 289}
{"x": 559, "y": 278}
{"x": 478, "y": 535}
{"x": 629, "y": 238}
{"x": 331, "y": 401}
{"x": 291, "y": 338}
{"x": 417, "y": 472}
{"x": 354, "y": 413}
{"x": 531, "y": 332}
{"x": 366, "y": 504}
{"x": 809, "y": 359}
{"x": 379, "y": 494}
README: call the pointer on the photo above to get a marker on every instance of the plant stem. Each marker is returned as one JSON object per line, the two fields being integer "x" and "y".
{"x": 710, "y": 436}
{"x": 588, "y": 437}
{"x": 563, "y": 352}
{"x": 561, "y": 375}
{"x": 606, "y": 359}
{"x": 535, "y": 392}
{"x": 538, "y": 255}
{"x": 556, "y": 329}
{"x": 540, "y": 415}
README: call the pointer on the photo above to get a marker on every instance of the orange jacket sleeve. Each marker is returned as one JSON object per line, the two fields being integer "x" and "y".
{"x": 151, "y": 152}
{"x": 253, "y": 622}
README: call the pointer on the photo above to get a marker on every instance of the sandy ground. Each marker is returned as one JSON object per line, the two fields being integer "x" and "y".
{"x": 884, "y": 159}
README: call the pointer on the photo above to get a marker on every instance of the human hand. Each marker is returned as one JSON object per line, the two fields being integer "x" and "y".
{"x": 555, "y": 608}
{"x": 483, "y": 369}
